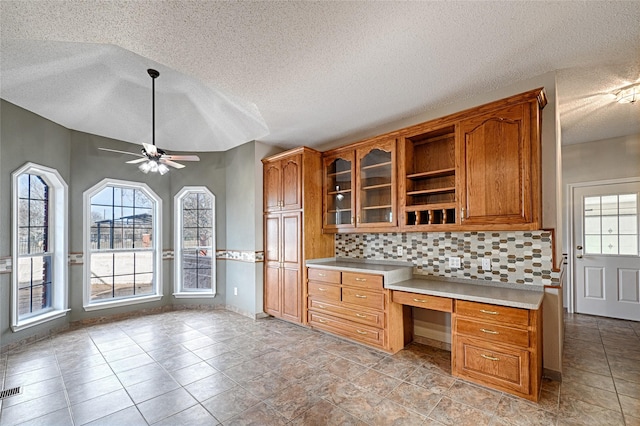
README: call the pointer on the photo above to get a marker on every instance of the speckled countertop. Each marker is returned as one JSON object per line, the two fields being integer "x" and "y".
{"x": 398, "y": 276}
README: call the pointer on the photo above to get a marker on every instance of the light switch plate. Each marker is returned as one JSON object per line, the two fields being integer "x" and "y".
{"x": 454, "y": 262}
{"x": 399, "y": 250}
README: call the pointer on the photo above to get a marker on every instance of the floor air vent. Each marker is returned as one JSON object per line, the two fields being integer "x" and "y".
{"x": 10, "y": 392}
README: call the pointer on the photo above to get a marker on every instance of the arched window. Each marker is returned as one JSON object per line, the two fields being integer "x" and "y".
{"x": 122, "y": 222}
{"x": 40, "y": 254}
{"x": 195, "y": 243}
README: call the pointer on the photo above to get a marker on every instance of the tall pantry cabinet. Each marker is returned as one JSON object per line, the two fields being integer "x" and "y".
{"x": 292, "y": 229}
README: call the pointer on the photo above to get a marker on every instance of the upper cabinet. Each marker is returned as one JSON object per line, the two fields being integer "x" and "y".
{"x": 428, "y": 186}
{"x": 376, "y": 184}
{"x": 499, "y": 158}
{"x": 360, "y": 187}
{"x": 282, "y": 189}
{"x": 477, "y": 169}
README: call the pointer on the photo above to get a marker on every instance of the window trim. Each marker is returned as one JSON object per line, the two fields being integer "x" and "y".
{"x": 156, "y": 295}
{"x": 58, "y": 243}
{"x": 177, "y": 276}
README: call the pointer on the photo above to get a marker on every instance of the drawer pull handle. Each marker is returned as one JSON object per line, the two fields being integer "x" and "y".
{"x": 361, "y": 332}
{"x": 490, "y": 358}
{"x": 322, "y": 275}
{"x": 420, "y": 300}
{"x": 360, "y": 296}
{"x": 320, "y": 306}
{"x": 484, "y": 330}
{"x": 320, "y": 320}
{"x": 361, "y": 279}
{"x": 322, "y": 289}
{"x": 484, "y": 311}
{"x": 360, "y": 315}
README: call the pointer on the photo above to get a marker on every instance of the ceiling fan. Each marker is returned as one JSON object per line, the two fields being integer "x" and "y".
{"x": 154, "y": 159}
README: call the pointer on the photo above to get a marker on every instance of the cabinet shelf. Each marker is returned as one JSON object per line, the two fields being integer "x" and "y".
{"x": 384, "y": 206}
{"x": 344, "y": 172}
{"x": 438, "y": 206}
{"x": 339, "y": 211}
{"x": 382, "y": 185}
{"x": 342, "y": 191}
{"x": 433, "y": 173}
{"x": 374, "y": 166}
{"x": 433, "y": 191}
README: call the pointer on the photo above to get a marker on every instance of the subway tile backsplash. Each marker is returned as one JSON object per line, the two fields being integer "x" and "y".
{"x": 521, "y": 257}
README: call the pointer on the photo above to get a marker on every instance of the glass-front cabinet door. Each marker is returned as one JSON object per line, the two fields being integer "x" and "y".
{"x": 376, "y": 185}
{"x": 338, "y": 191}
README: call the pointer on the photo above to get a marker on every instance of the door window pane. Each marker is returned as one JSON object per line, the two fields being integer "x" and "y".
{"x": 611, "y": 224}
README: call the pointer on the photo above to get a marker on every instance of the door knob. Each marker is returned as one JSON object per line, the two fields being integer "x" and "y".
{"x": 579, "y": 256}
{"x": 579, "y": 247}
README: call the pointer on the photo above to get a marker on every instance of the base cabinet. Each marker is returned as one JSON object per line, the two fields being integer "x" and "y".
{"x": 355, "y": 306}
{"x": 499, "y": 347}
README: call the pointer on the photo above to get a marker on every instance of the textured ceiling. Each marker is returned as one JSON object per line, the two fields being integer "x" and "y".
{"x": 316, "y": 71}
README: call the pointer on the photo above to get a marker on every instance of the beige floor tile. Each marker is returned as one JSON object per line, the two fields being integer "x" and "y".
{"x": 601, "y": 381}
{"x": 324, "y": 413}
{"x": 518, "y": 411}
{"x": 590, "y": 394}
{"x": 625, "y": 387}
{"x": 576, "y": 412}
{"x": 630, "y": 406}
{"x": 455, "y": 413}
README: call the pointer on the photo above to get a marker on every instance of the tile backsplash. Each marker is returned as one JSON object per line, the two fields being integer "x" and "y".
{"x": 521, "y": 257}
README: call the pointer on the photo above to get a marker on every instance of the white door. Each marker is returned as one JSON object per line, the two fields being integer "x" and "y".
{"x": 606, "y": 261}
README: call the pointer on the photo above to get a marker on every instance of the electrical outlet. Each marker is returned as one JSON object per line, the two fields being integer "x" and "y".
{"x": 454, "y": 262}
{"x": 399, "y": 250}
{"x": 235, "y": 291}
{"x": 486, "y": 264}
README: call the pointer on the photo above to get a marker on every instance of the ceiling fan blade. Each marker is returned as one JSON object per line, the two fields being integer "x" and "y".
{"x": 171, "y": 163}
{"x": 137, "y": 160}
{"x": 121, "y": 152}
{"x": 151, "y": 149}
{"x": 181, "y": 157}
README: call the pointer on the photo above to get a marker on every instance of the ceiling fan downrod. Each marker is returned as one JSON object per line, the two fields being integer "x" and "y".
{"x": 153, "y": 74}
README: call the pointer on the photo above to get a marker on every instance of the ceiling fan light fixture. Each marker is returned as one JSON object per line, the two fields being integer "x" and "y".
{"x": 162, "y": 169}
{"x": 145, "y": 167}
{"x": 629, "y": 94}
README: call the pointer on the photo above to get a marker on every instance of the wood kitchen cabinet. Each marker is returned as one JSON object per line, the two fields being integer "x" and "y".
{"x": 477, "y": 169}
{"x": 282, "y": 184}
{"x": 292, "y": 229}
{"x": 499, "y": 157}
{"x": 356, "y": 306}
{"x": 498, "y": 346}
{"x": 360, "y": 187}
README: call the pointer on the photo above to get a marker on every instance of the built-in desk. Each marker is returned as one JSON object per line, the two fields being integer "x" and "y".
{"x": 496, "y": 327}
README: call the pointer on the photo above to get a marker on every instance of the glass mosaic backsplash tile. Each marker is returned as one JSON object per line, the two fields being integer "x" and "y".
{"x": 522, "y": 257}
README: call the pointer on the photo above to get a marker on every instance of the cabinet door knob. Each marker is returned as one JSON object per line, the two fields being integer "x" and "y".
{"x": 484, "y": 311}
{"x": 484, "y": 330}
{"x": 490, "y": 358}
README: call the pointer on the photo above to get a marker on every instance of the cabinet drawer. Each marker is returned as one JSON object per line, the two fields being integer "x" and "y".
{"x": 346, "y": 328}
{"x": 504, "y": 367}
{"x": 324, "y": 275}
{"x": 365, "y": 298}
{"x": 492, "y": 332}
{"x": 370, "y": 282}
{"x": 500, "y": 314}
{"x": 423, "y": 301}
{"x": 375, "y": 319}
{"x": 324, "y": 291}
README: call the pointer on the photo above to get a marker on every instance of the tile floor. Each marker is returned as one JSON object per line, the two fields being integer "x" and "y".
{"x": 216, "y": 367}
